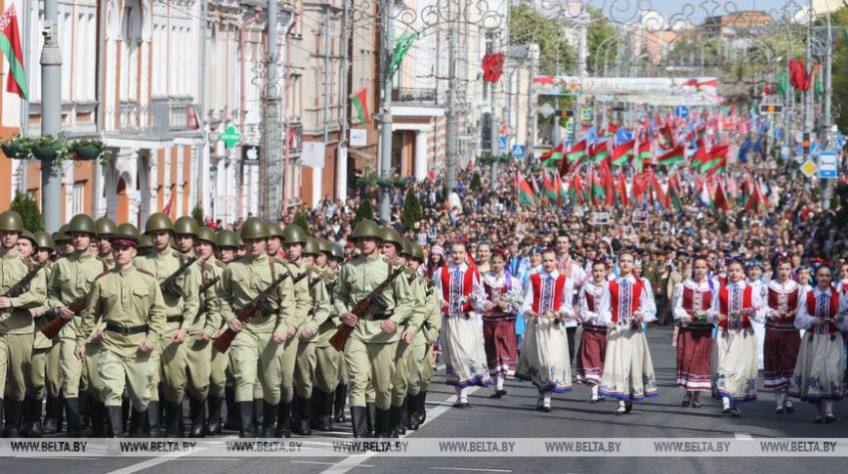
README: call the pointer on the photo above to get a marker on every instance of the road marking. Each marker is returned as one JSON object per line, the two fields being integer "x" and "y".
{"x": 326, "y": 463}
{"x": 157, "y": 461}
{"x": 355, "y": 460}
{"x": 467, "y": 469}
{"x": 744, "y": 436}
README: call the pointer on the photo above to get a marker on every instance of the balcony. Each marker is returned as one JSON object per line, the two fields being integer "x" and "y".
{"x": 173, "y": 115}
{"x": 409, "y": 95}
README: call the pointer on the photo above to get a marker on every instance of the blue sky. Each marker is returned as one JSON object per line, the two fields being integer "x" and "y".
{"x": 695, "y": 10}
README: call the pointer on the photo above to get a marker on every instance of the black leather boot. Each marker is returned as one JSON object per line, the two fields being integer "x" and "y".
{"x": 304, "y": 415}
{"x": 115, "y": 416}
{"x": 196, "y": 412}
{"x": 34, "y": 419}
{"x": 232, "y": 412}
{"x": 401, "y": 426}
{"x": 73, "y": 415}
{"x": 97, "y": 414}
{"x": 258, "y": 416}
{"x": 271, "y": 414}
{"x": 153, "y": 419}
{"x": 394, "y": 422}
{"x": 13, "y": 418}
{"x": 339, "y": 401}
{"x": 359, "y": 418}
{"x": 325, "y": 418}
{"x": 422, "y": 407}
{"x": 283, "y": 429}
{"x": 173, "y": 413}
{"x": 125, "y": 416}
{"x": 370, "y": 421}
{"x": 315, "y": 408}
{"x": 84, "y": 415}
{"x": 51, "y": 418}
{"x": 137, "y": 420}
{"x": 213, "y": 425}
{"x": 246, "y": 417}
{"x": 412, "y": 412}
{"x": 381, "y": 426}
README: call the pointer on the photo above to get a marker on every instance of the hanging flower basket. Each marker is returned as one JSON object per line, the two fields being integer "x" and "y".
{"x": 399, "y": 182}
{"x": 87, "y": 149}
{"x": 44, "y": 152}
{"x": 384, "y": 182}
{"x": 17, "y": 148}
{"x": 11, "y": 150}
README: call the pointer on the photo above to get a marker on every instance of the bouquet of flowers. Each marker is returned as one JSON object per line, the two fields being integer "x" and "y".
{"x": 699, "y": 317}
{"x": 514, "y": 298}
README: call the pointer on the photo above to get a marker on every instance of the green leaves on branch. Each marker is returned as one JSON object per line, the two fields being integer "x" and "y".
{"x": 53, "y": 148}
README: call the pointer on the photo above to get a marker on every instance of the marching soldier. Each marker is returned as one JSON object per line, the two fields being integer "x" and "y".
{"x": 168, "y": 357}
{"x": 64, "y": 246}
{"x": 16, "y": 321}
{"x": 220, "y": 377}
{"x": 255, "y": 351}
{"x": 129, "y": 303}
{"x": 26, "y": 244}
{"x": 328, "y": 361}
{"x": 71, "y": 280}
{"x": 106, "y": 229}
{"x": 144, "y": 246}
{"x": 420, "y": 360}
{"x": 371, "y": 349}
{"x": 340, "y": 380}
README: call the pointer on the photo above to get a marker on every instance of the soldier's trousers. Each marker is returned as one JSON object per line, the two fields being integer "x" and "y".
{"x": 15, "y": 365}
{"x": 429, "y": 362}
{"x": 72, "y": 372}
{"x": 400, "y": 381}
{"x": 288, "y": 356}
{"x": 304, "y": 368}
{"x": 218, "y": 373}
{"x": 255, "y": 355}
{"x": 373, "y": 360}
{"x": 133, "y": 373}
{"x": 328, "y": 363}
{"x": 415, "y": 362}
{"x": 169, "y": 367}
{"x": 46, "y": 372}
{"x": 198, "y": 357}
{"x": 91, "y": 367}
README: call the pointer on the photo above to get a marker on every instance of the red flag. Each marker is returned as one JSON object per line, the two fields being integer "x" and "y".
{"x": 622, "y": 190}
{"x": 167, "y": 210}
{"x": 720, "y": 199}
{"x": 10, "y": 46}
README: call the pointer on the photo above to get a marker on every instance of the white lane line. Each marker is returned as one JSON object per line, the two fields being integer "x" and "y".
{"x": 326, "y": 463}
{"x": 744, "y": 436}
{"x": 355, "y": 460}
{"x": 467, "y": 469}
{"x": 158, "y": 460}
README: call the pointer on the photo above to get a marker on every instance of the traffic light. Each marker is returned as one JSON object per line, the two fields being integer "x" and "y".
{"x": 771, "y": 109}
{"x": 806, "y": 143}
{"x": 564, "y": 113}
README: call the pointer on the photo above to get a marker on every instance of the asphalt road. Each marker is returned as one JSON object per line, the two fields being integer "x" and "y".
{"x": 514, "y": 416}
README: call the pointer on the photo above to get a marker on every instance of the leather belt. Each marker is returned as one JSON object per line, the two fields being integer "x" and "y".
{"x": 377, "y": 317}
{"x": 174, "y": 319}
{"x": 127, "y": 330}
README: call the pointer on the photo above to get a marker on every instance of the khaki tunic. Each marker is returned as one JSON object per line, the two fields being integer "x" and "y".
{"x": 302, "y": 307}
{"x": 419, "y": 313}
{"x": 306, "y": 356}
{"x": 45, "y": 353}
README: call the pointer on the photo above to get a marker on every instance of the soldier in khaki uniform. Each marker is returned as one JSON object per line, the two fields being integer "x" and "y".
{"x": 70, "y": 280}
{"x": 45, "y": 355}
{"x": 294, "y": 238}
{"x": 371, "y": 349}
{"x": 327, "y": 359}
{"x": 220, "y": 377}
{"x": 16, "y": 321}
{"x": 340, "y": 381}
{"x": 26, "y": 244}
{"x": 420, "y": 358}
{"x": 255, "y": 351}
{"x": 181, "y": 301}
{"x": 129, "y": 305}
{"x": 307, "y": 337}
{"x": 64, "y": 247}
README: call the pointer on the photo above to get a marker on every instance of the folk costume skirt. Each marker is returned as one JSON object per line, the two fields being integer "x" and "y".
{"x": 462, "y": 349}
{"x": 628, "y": 368}
{"x": 544, "y": 360}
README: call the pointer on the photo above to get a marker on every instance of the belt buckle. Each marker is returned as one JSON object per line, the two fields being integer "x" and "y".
{"x": 125, "y": 331}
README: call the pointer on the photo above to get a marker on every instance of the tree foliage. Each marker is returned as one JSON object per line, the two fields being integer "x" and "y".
{"x": 301, "y": 221}
{"x": 411, "y": 209}
{"x": 527, "y": 25}
{"x": 364, "y": 210}
{"x": 599, "y": 38}
{"x": 26, "y": 206}
{"x": 197, "y": 214}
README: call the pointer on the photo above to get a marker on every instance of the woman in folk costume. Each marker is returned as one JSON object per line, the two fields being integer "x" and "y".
{"x": 780, "y": 350}
{"x": 754, "y": 273}
{"x": 735, "y": 304}
{"x": 628, "y": 368}
{"x": 692, "y": 300}
{"x": 499, "y": 321}
{"x": 818, "y": 373}
{"x": 547, "y": 306}
{"x": 459, "y": 286}
{"x": 593, "y": 343}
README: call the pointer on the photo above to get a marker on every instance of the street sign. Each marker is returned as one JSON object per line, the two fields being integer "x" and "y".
{"x": 518, "y": 151}
{"x": 681, "y": 111}
{"x": 358, "y": 137}
{"x": 771, "y": 109}
{"x": 250, "y": 155}
{"x": 618, "y": 108}
{"x": 569, "y": 126}
{"x": 231, "y": 137}
{"x": 586, "y": 114}
{"x": 809, "y": 168}
{"x": 827, "y": 165}
{"x": 565, "y": 113}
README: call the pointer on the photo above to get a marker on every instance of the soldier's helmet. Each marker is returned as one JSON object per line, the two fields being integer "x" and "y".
{"x": 44, "y": 241}
{"x": 254, "y": 228}
{"x": 366, "y": 229}
{"x": 294, "y": 234}
{"x": 227, "y": 238}
{"x": 158, "y": 222}
{"x": 105, "y": 227}
{"x": 206, "y": 234}
{"x": 186, "y": 225}
{"x": 81, "y": 223}
{"x": 11, "y": 221}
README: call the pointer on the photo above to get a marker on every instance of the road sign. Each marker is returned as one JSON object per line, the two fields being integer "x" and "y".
{"x": 518, "y": 151}
{"x": 586, "y": 114}
{"x": 827, "y": 165}
{"x": 771, "y": 109}
{"x": 569, "y": 126}
{"x": 502, "y": 139}
{"x": 809, "y": 168}
{"x": 681, "y": 111}
{"x": 231, "y": 137}
{"x": 565, "y": 113}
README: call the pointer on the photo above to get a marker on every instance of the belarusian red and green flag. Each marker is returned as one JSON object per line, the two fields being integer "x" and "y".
{"x": 623, "y": 153}
{"x": 553, "y": 157}
{"x": 360, "y": 103}
{"x": 526, "y": 196}
{"x": 553, "y": 189}
{"x": 674, "y": 156}
{"x": 643, "y": 155}
{"x": 715, "y": 161}
{"x": 10, "y": 45}
{"x": 577, "y": 151}
{"x": 598, "y": 152}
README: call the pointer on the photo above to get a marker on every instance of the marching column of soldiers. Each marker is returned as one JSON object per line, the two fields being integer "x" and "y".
{"x": 270, "y": 332}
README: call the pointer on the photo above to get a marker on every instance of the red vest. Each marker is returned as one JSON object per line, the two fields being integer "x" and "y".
{"x": 833, "y": 310}
{"x": 791, "y": 302}
{"x": 634, "y": 302}
{"x": 559, "y": 284}
{"x": 689, "y": 299}
{"x": 724, "y": 301}
{"x": 467, "y": 282}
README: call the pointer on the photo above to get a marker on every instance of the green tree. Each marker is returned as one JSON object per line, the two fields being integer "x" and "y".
{"x": 476, "y": 183}
{"x": 197, "y": 214}
{"x": 527, "y": 25}
{"x": 600, "y": 37}
{"x": 411, "y": 209}
{"x": 364, "y": 210}
{"x": 301, "y": 221}
{"x": 26, "y": 206}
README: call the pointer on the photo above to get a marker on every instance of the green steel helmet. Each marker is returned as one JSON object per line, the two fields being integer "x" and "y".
{"x": 105, "y": 227}
{"x": 44, "y": 241}
{"x": 227, "y": 238}
{"x": 81, "y": 223}
{"x": 128, "y": 232}
{"x": 186, "y": 225}
{"x": 157, "y": 222}
{"x": 325, "y": 247}
{"x": 11, "y": 221}
{"x": 29, "y": 236}
{"x": 274, "y": 230}
{"x": 405, "y": 247}
{"x": 417, "y": 253}
{"x": 206, "y": 234}
{"x": 391, "y": 235}
{"x": 254, "y": 228}
{"x": 144, "y": 242}
{"x": 62, "y": 235}
{"x": 312, "y": 247}
{"x": 294, "y": 234}
{"x": 337, "y": 252}
{"x": 367, "y": 229}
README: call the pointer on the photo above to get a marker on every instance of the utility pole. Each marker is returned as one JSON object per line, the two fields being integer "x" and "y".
{"x": 808, "y": 95}
{"x": 533, "y": 54}
{"x": 51, "y": 115}
{"x": 825, "y": 138}
{"x": 451, "y": 164}
{"x": 341, "y": 162}
{"x": 386, "y": 130}
{"x": 274, "y": 200}
{"x": 494, "y": 121}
